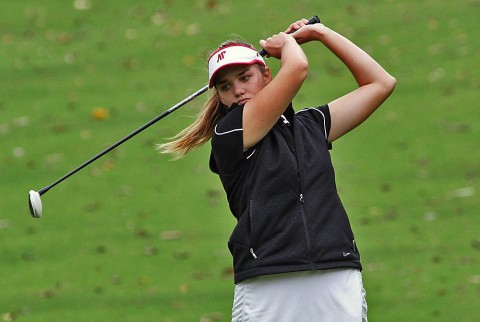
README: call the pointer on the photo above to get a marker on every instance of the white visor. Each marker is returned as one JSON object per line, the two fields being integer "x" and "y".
{"x": 231, "y": 55}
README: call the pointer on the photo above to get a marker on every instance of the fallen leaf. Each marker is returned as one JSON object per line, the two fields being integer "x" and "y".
{"x": 22, "y": 121}
{"x": 150, "y": 250}
{"x": 227, "y": 272}
{"x": 143, "y": 233}
{"x": 476, "y": 244}
{"x": 430, "y": 216}
{"x": 212, "y": 4}
{"x": 180, "y": 255}
{"x": 474, "y": 279}
{"x": 100, "y": 249}
{"x": 100, "y": 113}
{"x": 184, "y": 289}
{"x": 210, "y": 317}
{"x": 464, "y": 192}
{"x": 47, "y": 293}
{"x": 4, "y": 224}
{"x": 82, "y": 4}
{"x": 116, "y": 280}
{"x": 9, "y": 316}
{"x": 171, "y": 235}
{"x": 192, "y": 29}
{"x": 158, "y": 18}
{"x": 143, "y": 280}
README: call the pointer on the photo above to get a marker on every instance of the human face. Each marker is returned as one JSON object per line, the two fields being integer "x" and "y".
{"x": 239, "y": 83}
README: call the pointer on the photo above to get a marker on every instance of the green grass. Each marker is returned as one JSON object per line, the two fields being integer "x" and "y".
{"x": 408, "y": 177}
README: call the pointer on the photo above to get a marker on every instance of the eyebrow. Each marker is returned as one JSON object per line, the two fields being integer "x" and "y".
{"x": 243, "y": 71}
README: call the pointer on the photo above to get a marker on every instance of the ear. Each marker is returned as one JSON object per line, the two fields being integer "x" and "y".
{"x": 267, "y": 75}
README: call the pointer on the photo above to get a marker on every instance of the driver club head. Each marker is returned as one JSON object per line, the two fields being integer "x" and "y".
{"x": 35, "y": 204}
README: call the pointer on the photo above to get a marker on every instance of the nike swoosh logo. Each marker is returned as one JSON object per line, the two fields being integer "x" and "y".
{"x": 345, "y": 254}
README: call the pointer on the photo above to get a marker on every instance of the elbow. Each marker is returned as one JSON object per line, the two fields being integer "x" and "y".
{"x": 297, "y": 72}
{"x": 294, "y": 73}
{"x": 301, "y": 69}
{"x": 389, "y": 84}
{"x": 385, "y": 87}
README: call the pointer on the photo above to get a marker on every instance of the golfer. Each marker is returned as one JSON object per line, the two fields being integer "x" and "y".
{"x": 294, "y": 253}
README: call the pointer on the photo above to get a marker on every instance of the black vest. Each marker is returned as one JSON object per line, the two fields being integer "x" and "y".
{"x": 283, "y": 194}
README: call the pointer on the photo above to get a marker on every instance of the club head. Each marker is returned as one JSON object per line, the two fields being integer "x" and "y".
{"x": 35, "y": 204}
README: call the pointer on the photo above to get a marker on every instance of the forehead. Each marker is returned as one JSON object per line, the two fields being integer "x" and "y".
{"x": 232, "y": 71}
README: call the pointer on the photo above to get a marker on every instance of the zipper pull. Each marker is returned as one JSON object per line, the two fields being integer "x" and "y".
{"x": 301, "y": 198}
{"x": 253, "y": 254}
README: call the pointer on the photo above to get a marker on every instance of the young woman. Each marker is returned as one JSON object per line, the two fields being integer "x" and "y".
{"x": 294, "y": 253}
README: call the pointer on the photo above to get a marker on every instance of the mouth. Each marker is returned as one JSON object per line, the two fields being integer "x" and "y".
{"x": 243, "y": 101}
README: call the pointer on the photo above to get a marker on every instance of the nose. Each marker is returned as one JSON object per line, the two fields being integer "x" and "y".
{"x": 238, "y": 89}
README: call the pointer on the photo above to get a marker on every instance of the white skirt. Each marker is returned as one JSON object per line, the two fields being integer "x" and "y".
{"x": 328, "y": 295}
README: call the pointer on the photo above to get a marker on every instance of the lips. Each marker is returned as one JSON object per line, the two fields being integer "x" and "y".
{"x": 243, "y": 101}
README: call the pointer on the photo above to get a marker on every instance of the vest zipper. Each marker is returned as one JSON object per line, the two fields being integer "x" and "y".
{"x": 250, "y": 212}
{"x": 302, "y": 201}
{"x": 290, "y": 140}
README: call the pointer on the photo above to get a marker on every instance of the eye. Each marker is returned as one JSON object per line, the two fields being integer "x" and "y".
{"x": 245, "y": 77}
{"x": 223, "y": 87}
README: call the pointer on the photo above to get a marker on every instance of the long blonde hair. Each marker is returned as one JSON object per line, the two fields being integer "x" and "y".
{"x": 197, "y": 133}
{"x": 201, "y": 130}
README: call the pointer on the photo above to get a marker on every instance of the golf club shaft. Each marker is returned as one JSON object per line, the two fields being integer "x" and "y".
{"x": 199, "y": 92}
{"x": 126, "y": 138}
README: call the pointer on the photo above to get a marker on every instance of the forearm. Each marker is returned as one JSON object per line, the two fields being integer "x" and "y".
{"x": 293, "y": 71}
{"x": 294, "y": 64}
{"x": 374, "y": 83}
{"x": 364, "y": 68}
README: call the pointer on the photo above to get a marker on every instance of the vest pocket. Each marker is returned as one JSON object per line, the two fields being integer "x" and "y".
{"x": 241, "y": 243}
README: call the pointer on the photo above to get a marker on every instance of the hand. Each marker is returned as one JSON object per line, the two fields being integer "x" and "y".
{"x": 296, "y": 25}
{"x": 302, "y": 31}
{"x": 274, "y": 44}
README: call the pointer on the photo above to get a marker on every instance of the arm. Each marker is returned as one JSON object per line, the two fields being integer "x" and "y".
{"x": 374, "y": 84}
{"x": 265, "y": 108}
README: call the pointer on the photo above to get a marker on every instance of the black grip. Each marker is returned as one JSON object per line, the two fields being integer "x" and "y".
{"x": 311, "y": 21}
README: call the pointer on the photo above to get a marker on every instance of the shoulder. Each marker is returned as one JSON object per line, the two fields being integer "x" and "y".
{"x": 227, "y": 142}
{"x": 319, "y": 115}
{"x": 231, "y": 122}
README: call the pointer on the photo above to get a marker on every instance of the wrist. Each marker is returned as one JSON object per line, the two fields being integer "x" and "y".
{"x": 320, "y": 31}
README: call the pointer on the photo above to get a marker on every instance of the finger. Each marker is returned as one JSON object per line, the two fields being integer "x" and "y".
{"x": 296, "y": 25}
{"x": 290, "y": 28}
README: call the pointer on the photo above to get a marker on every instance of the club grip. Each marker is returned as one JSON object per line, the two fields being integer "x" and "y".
{"x": 311, "y": 21}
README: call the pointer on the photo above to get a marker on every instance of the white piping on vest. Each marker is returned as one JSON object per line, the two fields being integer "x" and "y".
{"x": 250, "y": 155}
{"x": 323, "y": 115}
{"x": 228, "y": 132}
{"x": 231, "y": 131}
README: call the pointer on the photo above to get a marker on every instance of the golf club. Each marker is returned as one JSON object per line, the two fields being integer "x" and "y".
{"x": 34, "y": 200}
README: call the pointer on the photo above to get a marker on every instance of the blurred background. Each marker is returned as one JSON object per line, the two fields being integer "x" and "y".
{"x": 138, "y": 237}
